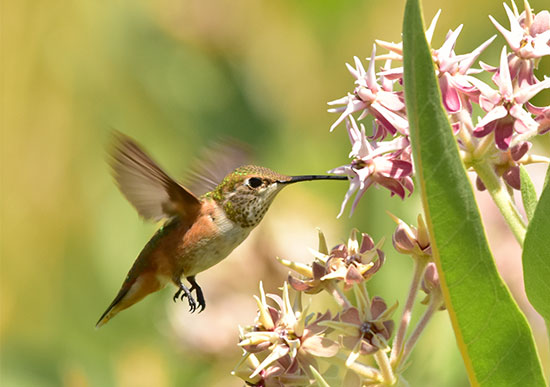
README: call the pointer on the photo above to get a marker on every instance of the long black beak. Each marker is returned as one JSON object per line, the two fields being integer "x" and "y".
{"x": 295, "y": 179}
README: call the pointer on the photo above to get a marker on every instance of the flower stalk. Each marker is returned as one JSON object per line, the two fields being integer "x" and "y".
{"x": 385, "y": 367}
{"x": 365, "y": 371}
{"x": 502, "y": 199}
{"x": 338, "y": 294}
{"x": 397, "y": 348}
{"x": 434, "y": 305}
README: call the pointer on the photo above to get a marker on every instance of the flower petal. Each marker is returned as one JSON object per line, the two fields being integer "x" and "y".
{"x": 351, "y": 315}
{"x": 451, "y": 99}
{"x": 278, "y": 352}
{"x": 320, "y": 346}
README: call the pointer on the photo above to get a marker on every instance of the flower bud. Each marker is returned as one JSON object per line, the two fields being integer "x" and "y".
{"x": 430, "y": 284}
{"x": 410, "y": 240}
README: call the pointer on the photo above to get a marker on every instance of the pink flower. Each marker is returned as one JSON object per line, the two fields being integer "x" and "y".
{"x": 287, "y": 339}
{"x": 385, "y": 163}
{"x": 451, "y": 68}
{"x": 352, "y": 264}
{"x": 529, "y": 37}
{"x": 387, "y": 106}
{"x": 452, "y": 71}
{"x": 365, "y": 329}
{"x": 542, "y": 117}
{"x": 505, "y": 112}
{"x": 506, "y": 164}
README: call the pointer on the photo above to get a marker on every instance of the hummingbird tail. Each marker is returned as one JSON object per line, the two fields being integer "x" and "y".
{"x": 112, "y": 310}
{"x": 130, "y": 293}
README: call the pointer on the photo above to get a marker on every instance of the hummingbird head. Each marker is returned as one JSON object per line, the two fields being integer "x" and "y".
{"x": 248, "y": 191}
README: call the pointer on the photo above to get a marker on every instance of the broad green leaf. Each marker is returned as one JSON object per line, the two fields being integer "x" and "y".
{"x": 536, "y": 257}
{"x": 493, "y": 335}
{"x": 528, "y": 194}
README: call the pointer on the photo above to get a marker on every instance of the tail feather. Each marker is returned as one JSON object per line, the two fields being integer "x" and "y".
{"x": 112, "y": 310}
{"x": 131, "y": 292}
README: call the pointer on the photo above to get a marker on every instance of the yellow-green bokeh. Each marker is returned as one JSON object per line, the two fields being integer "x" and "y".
{"x": 175, "y": 75}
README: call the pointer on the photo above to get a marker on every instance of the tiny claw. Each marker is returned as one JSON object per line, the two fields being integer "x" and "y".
{"x": 177, "y": 295}
{"x": 200, "y": 299}
{"x": 192, "y": 305}
{"x": 198, "y": 291}
{"x": 183, "y": 292}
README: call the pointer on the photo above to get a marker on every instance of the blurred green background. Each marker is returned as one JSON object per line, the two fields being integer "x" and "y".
{"x": 175, "y": 75}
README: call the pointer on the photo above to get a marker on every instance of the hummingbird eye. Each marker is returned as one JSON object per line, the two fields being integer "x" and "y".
{"x": 254, "y": 182}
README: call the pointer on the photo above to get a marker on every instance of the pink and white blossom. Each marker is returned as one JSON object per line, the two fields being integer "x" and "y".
{"x": 387, "y": 106}
{"x": 505, "y": 113}
{"x": 384, "y": 163}
{"x": 529, "y": 36}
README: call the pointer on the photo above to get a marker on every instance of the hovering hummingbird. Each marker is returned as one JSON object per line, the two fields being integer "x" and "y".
{"x": 199, "y": 231}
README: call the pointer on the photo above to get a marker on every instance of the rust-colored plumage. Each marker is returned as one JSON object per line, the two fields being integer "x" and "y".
{"x": 198, "y": 231}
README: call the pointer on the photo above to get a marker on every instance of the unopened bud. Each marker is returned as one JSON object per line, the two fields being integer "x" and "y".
{"x": 411, "y": 240}
{"x": 430, "y": 284}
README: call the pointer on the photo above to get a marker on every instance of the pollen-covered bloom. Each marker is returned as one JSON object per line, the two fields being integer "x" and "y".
{"x": 385, "y": 163}
{"x": 286, "y": 338}
{"x": 505, "y": 113}
{"x": 351, "y": 263}
{"x": 387, "y": 106}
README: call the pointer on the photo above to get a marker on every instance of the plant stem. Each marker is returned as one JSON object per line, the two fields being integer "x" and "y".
{"x": 363, "y": 370}
{"x": 385, "y": 367}
{"x": 435, "y": 303}
{"x": 362, "y": 298}
{"x": 465, "y": 133}
{"x": 502, "y": 199}
{"x": 486, "y": 145}
{"x": 397, "y": 347}
{"x": 531, "y": 159}
{"x": 338, "y": 295}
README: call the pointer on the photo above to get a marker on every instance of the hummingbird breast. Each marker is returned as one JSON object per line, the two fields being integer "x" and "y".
{"x": 211, "y": 238}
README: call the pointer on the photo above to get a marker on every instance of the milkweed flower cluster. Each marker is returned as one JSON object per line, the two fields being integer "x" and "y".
{"x": 291, "y": 344}
{"x": 500, "y": 136}
{"x": 355, "y": 339}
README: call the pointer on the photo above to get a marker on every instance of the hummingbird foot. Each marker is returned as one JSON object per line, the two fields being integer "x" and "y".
{"x": 198, "y": 291}
{"x": 183, "y": 292}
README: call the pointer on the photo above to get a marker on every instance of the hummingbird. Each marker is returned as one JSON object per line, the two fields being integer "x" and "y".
{"x": 198, "y": 231}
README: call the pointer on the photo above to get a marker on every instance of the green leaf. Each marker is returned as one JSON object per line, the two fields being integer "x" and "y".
{"x": 536, "y": 257}
{"x": 528, "y": 194}
{"x": 494, "y": 338}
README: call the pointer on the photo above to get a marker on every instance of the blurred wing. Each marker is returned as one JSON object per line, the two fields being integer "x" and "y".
{"x": 216, "y": 162}
{"x": 146, "y": 186}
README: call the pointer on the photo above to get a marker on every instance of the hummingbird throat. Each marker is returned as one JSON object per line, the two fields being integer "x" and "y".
{"x": 247, "y": 210}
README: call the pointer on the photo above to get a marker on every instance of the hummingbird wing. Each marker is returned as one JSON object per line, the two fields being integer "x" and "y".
{"x": 215, "y": 163}
{"x": 153, "y": 193}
